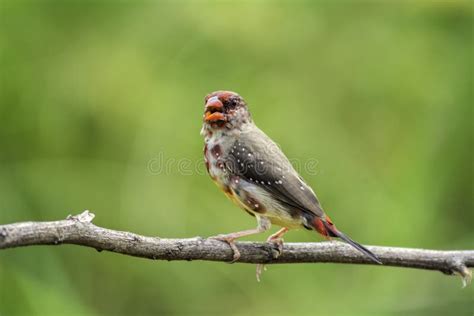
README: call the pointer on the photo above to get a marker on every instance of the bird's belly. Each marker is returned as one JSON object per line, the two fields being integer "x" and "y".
{"x": 283, "y": 218}
{"x": 286, "y": 222}
{"x": 258, "y": 205}
{"x": 276, "y": 217}
{"x": 257, "y": 201}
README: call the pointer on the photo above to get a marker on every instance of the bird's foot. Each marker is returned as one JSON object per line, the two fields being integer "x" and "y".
{"x": 230, "y": 240}
{"x": 277, "y": 250}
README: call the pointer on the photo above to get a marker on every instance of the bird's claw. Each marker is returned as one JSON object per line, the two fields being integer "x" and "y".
{"x": 231, "y": 242}
{"x": 260, "y": 269}
{"x": 277, "y": 250}
{"x": 277, "y": 247}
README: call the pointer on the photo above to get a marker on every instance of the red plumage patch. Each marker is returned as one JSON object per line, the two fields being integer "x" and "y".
{"x": 327, "y": 229}
{"x": 319, "y": 226}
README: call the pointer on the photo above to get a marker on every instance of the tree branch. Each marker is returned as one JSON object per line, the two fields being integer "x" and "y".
{"x": 79, "y": 230}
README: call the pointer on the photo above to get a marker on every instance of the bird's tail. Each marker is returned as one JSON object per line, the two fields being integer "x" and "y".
{"x": 326, "y": 228}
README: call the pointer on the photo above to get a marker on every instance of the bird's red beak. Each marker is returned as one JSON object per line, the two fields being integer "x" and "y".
{"x": 214, "y": 109}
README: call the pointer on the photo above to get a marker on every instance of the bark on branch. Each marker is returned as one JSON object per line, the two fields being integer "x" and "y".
{"x": 79, "y": 230}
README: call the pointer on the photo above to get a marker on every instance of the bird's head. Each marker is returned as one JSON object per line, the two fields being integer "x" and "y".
{"x": 225, "y": 110}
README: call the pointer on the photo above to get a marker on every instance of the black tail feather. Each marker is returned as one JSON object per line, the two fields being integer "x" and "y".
{"x": 335, "y": 233}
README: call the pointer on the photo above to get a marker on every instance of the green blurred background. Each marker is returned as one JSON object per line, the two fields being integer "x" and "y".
{"x": 93, "y": 93}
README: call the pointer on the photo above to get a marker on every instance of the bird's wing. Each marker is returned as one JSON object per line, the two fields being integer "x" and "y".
{"x": 256, "y": 158}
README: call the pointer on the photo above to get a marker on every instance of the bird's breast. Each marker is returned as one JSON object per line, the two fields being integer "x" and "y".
{"x": 214, "y": 151}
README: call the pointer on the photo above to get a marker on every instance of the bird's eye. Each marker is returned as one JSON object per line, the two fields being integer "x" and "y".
{"x": 232, "y": 103}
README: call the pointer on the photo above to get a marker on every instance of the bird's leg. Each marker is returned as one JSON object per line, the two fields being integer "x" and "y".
{"x": 263, "y": 225}
{"x": 230, "y": 239}
{"x": 277, "y": 239}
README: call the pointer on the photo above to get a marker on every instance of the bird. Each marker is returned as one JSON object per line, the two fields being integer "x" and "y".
{"x": 254, "y": 173}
